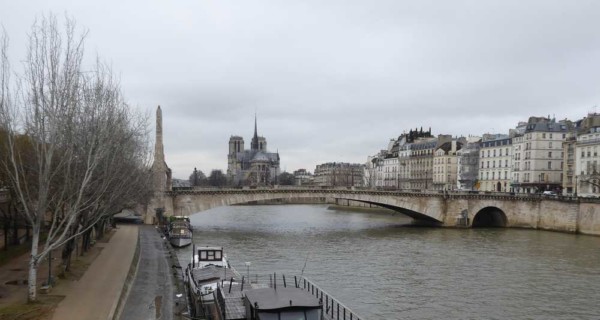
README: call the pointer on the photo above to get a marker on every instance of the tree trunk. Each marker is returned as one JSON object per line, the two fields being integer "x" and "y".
{"x": 6, "y": 231}
{"x": 15, "y": 239}
{"x": 66, "y": 254}
{"x": 33, "y": 265}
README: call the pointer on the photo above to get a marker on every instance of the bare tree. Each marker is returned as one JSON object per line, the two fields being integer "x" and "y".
{"x": 82, "y": 150}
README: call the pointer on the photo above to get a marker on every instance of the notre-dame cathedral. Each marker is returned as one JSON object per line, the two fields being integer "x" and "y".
{"x": 254, "y": 167}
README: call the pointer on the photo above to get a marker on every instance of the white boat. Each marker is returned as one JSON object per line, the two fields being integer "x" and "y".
{"x": 180, "y": 232}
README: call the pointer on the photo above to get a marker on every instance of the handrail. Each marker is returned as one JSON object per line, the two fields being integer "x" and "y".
{"x": 332, "y": 308}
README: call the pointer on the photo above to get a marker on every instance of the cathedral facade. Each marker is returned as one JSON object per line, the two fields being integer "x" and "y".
{"x": 253, "y": 167}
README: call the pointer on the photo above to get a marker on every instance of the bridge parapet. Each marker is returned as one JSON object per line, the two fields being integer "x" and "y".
{"x": 397, "y": 193}
{"x": 441, "y": 208}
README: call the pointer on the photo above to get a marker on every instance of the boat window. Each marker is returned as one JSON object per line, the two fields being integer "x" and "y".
{"x": 203, "y": 255}
{"x": 268, "y": 316}
{"x": 293, "y": 315}
{"x": 211, "y": 255}
{"x": 218, "y": 255}
{"x": 314, "y": 314}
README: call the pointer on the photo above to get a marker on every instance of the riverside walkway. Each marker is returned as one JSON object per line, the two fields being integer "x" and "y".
{"x": 96, "y": 294}
{"x": 153, "y": 292}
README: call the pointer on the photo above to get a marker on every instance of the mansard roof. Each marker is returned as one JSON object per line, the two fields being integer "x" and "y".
{"x": 547, "y": 126}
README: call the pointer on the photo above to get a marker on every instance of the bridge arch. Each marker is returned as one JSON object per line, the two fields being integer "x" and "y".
{"x": 489, "y": 217}
{"x": 426, "y": 208}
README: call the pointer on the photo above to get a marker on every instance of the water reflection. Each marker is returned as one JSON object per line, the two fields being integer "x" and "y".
{"x": 384, "y": 270}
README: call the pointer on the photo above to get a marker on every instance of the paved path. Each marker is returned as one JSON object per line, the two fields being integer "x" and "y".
{"x": 96, "y": 294}
{"x": 151, "y": 296}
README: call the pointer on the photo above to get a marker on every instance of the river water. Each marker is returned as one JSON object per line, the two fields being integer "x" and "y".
{"x": 382, "y": 269}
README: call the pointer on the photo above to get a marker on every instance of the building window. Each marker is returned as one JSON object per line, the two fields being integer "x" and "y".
{"x": 549, "y": 165}
{"x": 550, "y": 154}
{"x": 550, "y": 144}
{"x": 543, "y": 136}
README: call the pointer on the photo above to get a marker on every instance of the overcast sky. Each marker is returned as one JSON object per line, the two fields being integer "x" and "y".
{"x": 334, "y": 80}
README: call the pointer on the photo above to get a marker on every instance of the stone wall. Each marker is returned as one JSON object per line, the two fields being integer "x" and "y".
{"x": 521, "y": 212}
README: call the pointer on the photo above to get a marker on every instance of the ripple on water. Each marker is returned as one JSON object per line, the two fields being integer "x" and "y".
{"x": 382, "y": 270}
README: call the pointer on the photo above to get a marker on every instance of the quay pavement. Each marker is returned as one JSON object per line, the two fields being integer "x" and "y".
{"x": 96, "y": 294}
{"x": 152, "y": 294}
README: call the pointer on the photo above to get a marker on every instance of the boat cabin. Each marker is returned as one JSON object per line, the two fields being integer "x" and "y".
{"x": 281, "y": 304}
{"x": 210, "y": 254}
{"x": 205, "y": 256}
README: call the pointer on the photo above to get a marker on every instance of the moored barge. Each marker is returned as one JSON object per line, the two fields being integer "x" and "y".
{"x": 217, "y": 291}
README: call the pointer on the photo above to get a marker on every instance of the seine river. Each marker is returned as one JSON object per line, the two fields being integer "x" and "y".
{"x": 382, "y": 269}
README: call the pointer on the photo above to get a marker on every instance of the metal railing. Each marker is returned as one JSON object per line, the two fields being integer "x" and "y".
{"x": 332, "y": 308}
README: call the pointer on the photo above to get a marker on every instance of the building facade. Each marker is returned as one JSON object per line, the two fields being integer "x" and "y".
{"x": 468, "y": 164}
{"x": 303, "y": 177}
{"x": 538, "y": 156}
{"x": 587, "y": 153}
{"x": 445, "y": 165}
{"x": 339, "y": 174}
{"x": 495, "y": 164}
{"x": 251, "y": 167}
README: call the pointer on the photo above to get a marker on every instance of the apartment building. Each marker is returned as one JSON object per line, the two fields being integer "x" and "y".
{"x": 495, "y": 163}
{"x": 538, "y": 155}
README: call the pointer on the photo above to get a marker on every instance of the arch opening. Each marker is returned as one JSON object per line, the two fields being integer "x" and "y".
{"x": 489, "y": 217}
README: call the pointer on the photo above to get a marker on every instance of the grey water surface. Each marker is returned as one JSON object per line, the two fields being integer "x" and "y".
{"x": 382, "y": 269}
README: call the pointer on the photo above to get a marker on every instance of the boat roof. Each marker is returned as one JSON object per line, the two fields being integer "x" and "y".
{"x": 280, "y": 298}
{"x": 209, "y": 248}
{"x": 212, "y": 273}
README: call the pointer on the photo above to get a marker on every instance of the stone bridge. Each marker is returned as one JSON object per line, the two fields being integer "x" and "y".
{"x": 576, "y": 215}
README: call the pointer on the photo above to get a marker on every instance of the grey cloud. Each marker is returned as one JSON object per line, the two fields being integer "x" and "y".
{"x": 334, "y": 80}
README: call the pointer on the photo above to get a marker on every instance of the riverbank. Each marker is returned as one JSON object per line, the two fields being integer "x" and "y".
{"x": 157, "y": 290}
{"x": 64, "y": 297}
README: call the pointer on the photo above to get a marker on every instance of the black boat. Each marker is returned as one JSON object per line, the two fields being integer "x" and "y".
{"x": 217, "y": 291}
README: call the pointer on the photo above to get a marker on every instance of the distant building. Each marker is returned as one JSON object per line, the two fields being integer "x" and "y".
{"x": 303, "y": 177}
{"x": 445, "y": 165}
{"x": 495, "y": 163}
{"x": 468, "y": 164}
{"x": 180, "y": 183}
{"x": 569, "y": 180}
{"x": 253, "y": 167}
{"x": 538, "y": 155}
{"x": 587, "y": 155}
{"x": 339, "y": 174}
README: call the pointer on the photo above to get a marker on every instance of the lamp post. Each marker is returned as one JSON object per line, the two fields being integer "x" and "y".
{"x": 248, "y": 269}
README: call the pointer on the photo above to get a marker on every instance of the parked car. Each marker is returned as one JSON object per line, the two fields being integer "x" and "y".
{"x": 549, "y": 193}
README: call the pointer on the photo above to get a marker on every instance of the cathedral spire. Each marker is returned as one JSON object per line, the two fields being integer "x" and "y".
{"x": 254, "y": 143}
